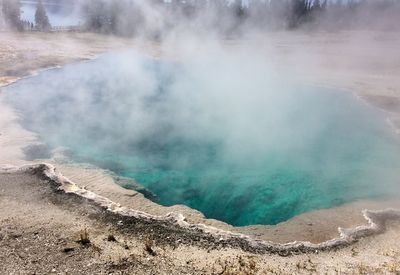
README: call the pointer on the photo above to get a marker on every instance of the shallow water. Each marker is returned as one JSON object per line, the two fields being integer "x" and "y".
{"x": 261, "y": 153}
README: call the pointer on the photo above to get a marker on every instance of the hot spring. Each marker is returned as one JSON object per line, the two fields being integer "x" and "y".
{"x": 232, "y": 139}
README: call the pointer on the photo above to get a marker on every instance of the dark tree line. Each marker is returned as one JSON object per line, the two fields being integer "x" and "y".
{"x": 11, "y": 13}
{"x": 121, "y": 17}
{"x": 128, "y": 17}
{"x": 157, "y": 17}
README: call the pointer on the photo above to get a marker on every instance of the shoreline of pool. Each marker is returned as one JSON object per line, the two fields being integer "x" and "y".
{"x": 316, "y": 226}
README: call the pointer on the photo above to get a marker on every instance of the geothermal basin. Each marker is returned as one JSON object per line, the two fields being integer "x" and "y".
{"x": 242, "y": 144}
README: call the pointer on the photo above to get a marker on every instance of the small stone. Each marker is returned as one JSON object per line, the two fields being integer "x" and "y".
{"x": 68, "y": 249}
{"x": 111, "y": 238}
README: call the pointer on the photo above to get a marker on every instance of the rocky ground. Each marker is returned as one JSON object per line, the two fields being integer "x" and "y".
{"x": 44, "y": 231}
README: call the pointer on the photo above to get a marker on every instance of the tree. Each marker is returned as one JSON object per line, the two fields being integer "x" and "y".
{"x": 298, "y": 12}
{"x": 97, "y": 13}
{"x": 12, "y": 14}
{"x": 41, "y": 19}
{"x": 324, "y": 5}
{"x": 317, "y": 5}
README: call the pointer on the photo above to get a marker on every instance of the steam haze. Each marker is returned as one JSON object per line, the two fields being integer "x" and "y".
{"x": 217, "y": 128}
{"x": 212, "y": 120}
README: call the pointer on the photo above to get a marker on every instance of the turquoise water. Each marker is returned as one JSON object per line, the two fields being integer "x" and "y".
{"x": 261, "y": 153}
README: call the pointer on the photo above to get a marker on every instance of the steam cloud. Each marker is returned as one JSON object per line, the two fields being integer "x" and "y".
{"x": 216, "y": 127}
{"x": 223, "y": 106}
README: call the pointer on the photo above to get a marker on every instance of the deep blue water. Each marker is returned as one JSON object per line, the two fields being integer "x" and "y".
{"x": 238, "y": 147}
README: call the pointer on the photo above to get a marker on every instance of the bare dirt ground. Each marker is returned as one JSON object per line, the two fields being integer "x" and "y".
{"x": 45, "y": 231}
{"x": 39, "y": 230}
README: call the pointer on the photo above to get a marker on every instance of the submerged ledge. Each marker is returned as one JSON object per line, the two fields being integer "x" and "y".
{"x": 175, "y": 222}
